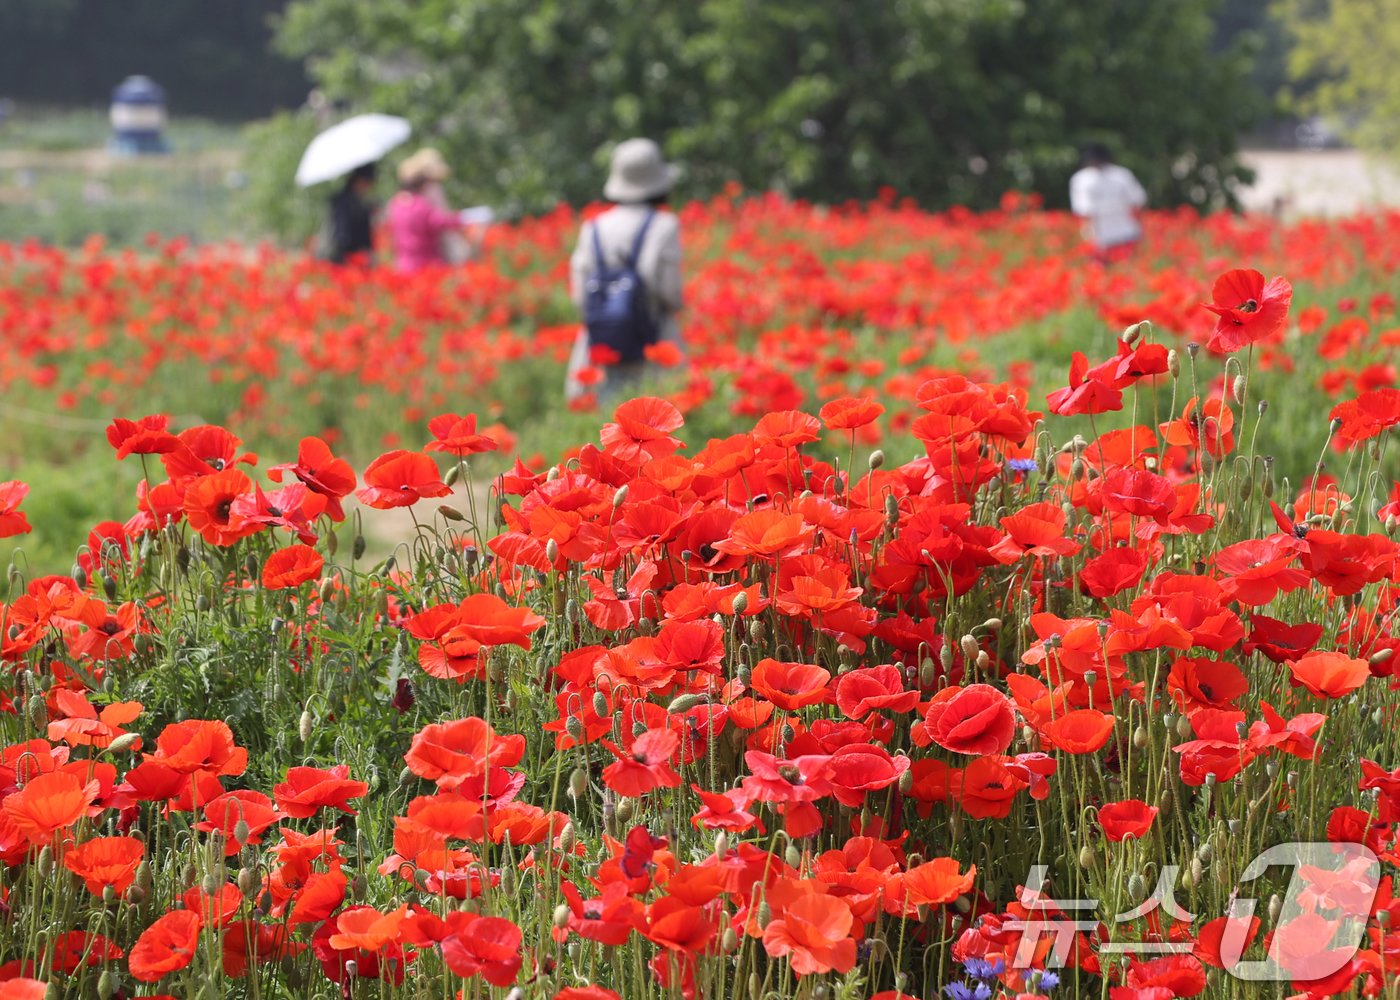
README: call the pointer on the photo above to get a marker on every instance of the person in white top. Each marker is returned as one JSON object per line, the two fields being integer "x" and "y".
{"x": 638, "y": 186}
{"x": 1109, "y": 197}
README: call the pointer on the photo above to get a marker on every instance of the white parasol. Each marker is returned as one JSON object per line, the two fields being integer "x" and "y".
{"x": 353, "y": 143}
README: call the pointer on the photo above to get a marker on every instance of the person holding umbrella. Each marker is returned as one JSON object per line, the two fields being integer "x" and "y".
{"x": 418, "y": 220}
{"x": 353, "y": 148}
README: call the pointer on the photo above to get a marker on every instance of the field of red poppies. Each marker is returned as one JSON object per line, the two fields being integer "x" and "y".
{"x": 957, "y": 618}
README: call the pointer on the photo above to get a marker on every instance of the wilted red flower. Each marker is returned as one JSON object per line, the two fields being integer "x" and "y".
{"x": 1247, "y": 309}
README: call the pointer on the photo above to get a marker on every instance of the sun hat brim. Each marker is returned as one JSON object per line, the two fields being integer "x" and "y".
{"x": 623, "y": 190}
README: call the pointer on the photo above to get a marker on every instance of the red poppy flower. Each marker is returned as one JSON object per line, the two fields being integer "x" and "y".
{"x": 1330, "y": 674}
{"x": 1197, "y": 682}
{"x": 1208, "y": 428}
{"x": 646, "y": 765}
{"x": 1247, "y": 309}
{"x": 1129, "y": 818}
{"x": 168, "y": 945}
{"x": 587, "y": 992}
{"x": 242, "y": 808}
{"x": 987, "y": 787}
{"x": 82, "y": 725}
{"x": 23, "y": 988}
{"x": 291, "y": 567}
{"x": 401, "y": 479}
{"x": 363, "y": 928}
{"x": 849, "y": 412}
{"x": 937, "y": 882}
{"x": 47, "y": 804}
{"x": 308, "y": 790}
{"x": 106, "y": 861}
{"x": 322, "y": 472}
{"x": 12, "y": 519}
{"x": 790, "y": 686}
{"x": 1090, "y": 394}
{"x": 1368, "y": 415}
{"x": 813, "y": 934}
{"x": 489, "y": 947}
{"x": 787, "y": 429}
{"x": 1036, "y": 530}
{"x": 451, "y": 753}
{"x": 1084, "y": 730}
{"x": 872, "y": 689}
{"x": 190, "y": 759}
{"x": 766, "y": 534}
{"x": 642, "y": 430}
{"x": 679, "y": 927}
{"x": 458, "y": 436}
{"x": 146, "y": 436}
{"x": 974, "y": 720}
{"x": 208, "y": 506}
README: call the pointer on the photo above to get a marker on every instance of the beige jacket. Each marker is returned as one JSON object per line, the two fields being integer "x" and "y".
{"x": 659, "y": 263}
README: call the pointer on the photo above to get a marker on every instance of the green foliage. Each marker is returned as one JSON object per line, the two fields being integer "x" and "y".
{"x": 1345, "y": 51}
{"x": 274, "y": 147}
{"x": 947, "y": 102}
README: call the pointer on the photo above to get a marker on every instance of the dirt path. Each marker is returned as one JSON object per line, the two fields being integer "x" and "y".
{"x": 1326, "y": 182}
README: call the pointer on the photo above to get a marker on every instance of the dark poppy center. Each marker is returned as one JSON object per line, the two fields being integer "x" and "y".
{"x": 274, "y": 511}
{"x": 790, "y": 774}
{"x": 224, "y": 508}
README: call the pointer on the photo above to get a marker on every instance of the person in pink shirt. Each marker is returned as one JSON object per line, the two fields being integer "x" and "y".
{"x": 417, "y": 221}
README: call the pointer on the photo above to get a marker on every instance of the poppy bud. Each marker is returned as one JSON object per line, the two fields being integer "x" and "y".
{"x": 1164, "y": 803}
{"x": 1140, "y": 737}
{"x": 573, "y": 725}
{"x": 970, "y": 649}
{"x": 765, "y": 915}
{"x": 578, "y": 782}
{"x": 1183, "y": 728}
{"x": 107, "y": 984}
{"x": 332, "y": 543}
{"x": 1275, "y": 907}
{"x": 1381, "y": 656}
{"x": 1076, "y": 469}
{"x": 454, "y": 473}
{"x": 1239, "y": 389}
{"x": 793, "y": 856}
{"x": 304, "y": 727}
{"x": 571, "y": 611}
{"x": 876, "y": 459}
{"x": 928, "y": 672}
{"x": 352, "y": 969}
{"x": 729, "y": 940}
{"x": 109, "y": 586}
{"x": 721, "y": 845}
{"x": 551, "y": 551}
{"x": 37, "y": 712}
{"x": 1234, "y": 825}
{"x": 46, "y": 862}
{"x": 685, "y": 702}
{"x": 143, "y": 876}
{"x": 1383, "y": 918}
{"x": 741, "y": 602}
{"x": 247, "y": 881}
{"x": 1137, "y": 887}
{"x": 906, "y": 782}
{"x": 601, "y": 707}
{"x": 624, "y": 811}
{"x": 561, "y": 916}
{"x": 984, "y": 662}
{"x": 1086, "y": 857}
{"x": 202, "y": 603}
{"x": 1206, "y": 853}
{"x": 242, "y": 831}
{"x": 945, "y": 655}
{"x": 1174, "y": 363}
{"x": 620, "y": 497}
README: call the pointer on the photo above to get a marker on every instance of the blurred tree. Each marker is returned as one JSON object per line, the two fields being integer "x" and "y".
{"x": 1345, "y": 54}
{"x": 946, "y": 101}
{"x": 213, "y": 57}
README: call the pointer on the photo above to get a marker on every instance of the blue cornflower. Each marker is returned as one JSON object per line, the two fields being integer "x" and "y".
{"x": 981, "y": 968}
{"x": 1022, "y": 464}
{"x": 1048, "y": 980}
{"x": 958, "y": 991}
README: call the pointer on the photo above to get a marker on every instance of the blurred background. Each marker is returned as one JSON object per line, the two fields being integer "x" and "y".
{"x": 1288, "y": 107}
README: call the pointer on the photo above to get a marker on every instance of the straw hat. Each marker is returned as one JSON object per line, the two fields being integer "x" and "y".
{"x": 425, "y": 165}
{"x": 639, "y": 172}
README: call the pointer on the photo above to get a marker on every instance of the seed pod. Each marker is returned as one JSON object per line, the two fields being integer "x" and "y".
{"x": 37, "y": 712}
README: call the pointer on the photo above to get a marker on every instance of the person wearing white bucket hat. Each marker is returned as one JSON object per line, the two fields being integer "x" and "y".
{"x": 633, "y": 231}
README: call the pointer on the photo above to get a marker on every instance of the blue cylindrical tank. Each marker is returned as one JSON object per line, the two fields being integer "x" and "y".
{"x": 138, "y": 116}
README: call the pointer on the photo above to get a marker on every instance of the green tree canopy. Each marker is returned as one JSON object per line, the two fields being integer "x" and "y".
{"x": 947, "y": 101}
{"x": 1345, "y": 55}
